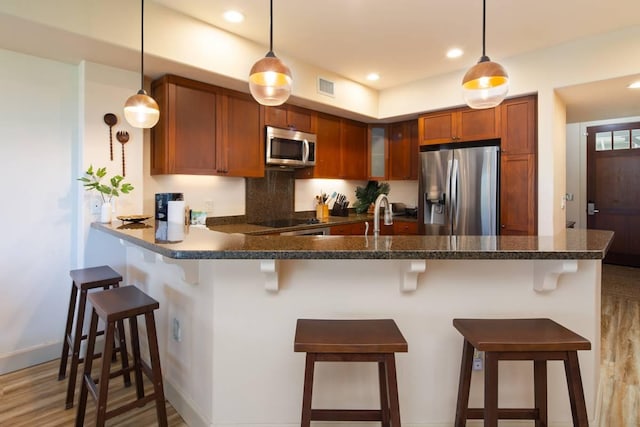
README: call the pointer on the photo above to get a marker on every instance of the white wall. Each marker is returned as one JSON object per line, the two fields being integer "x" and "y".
{"x": 52, "y": 129}
{"x": 576, "y": 135}
{"x": 38, "y": 128}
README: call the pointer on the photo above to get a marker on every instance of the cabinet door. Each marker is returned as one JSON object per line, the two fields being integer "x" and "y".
{"x": 290, "y": 117}
{"x": 403, "y": 150}
{"x": 353, "y": 150}
{"x": 478, "y": 125}
{"x": 437, "y": 128}
{"x": 341, "y": 230}
{"x": 518, "y": 198}
{"x": 377, "y": 152}
{"x": 241, "y": 146}
{"x": 327, "y": 147}
{"x": 405, "y": 228}
{"x": 519, "y": 126}
{"x": 185, "y": 142}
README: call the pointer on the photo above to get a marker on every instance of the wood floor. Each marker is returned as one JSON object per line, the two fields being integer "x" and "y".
{"x": 34, "y": 397}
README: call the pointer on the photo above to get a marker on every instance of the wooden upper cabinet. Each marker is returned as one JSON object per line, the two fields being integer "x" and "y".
{"x": 353, "y": 150}
{"x": 205, "y": 130}
{"x": 403, "y": 151}
{"x": 519, "y": 125}
{"x": 341, "y": 149}
{"x": 241, "y": 147}
{"x": 290, "y": 117}
{"x": 459, "y": 125}
{"x": 184, "y": 140}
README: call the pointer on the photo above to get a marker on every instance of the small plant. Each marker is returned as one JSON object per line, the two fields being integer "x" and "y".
{"x": 368, "y": 195}
{"x": 92, "y": 181}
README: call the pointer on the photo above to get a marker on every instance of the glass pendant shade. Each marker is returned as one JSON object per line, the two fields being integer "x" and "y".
{"x": 270, "y": 81}
{"x": 485, "y": 85}
{"x": 141, "y": 110}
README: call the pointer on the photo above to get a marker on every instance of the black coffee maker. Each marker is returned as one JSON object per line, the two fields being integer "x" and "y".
{"x": 162, "y": 202}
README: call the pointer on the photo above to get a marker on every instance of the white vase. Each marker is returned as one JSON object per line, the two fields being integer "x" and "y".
{"x": 105, "y": 212}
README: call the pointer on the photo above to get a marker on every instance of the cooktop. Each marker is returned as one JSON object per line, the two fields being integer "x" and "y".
{"x": 285, "y": 222}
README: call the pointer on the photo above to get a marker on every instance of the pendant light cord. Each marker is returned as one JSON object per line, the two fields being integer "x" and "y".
{"x": 141, "y": 44}
{"x": 270, "y": 25}
{"x": 484, "y": 25}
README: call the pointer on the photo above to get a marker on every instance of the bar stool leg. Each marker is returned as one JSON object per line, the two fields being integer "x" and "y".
{"x": 154, "y": 354}
{"x": 464, "y": 386}
{"x": 103, "y": 389}
{"x": 75, "y": 355}
{"x": 307, "y": 390}
{"x": 576, "y": 393}
{"x": 490, "y": 389}
{"x": 124, "y": 357}
{"x": 540, "y": 391}
{"x": 67, "y": 332}
{"x": 384, "y": 394}
{"x": 137, "y": 359}
{"x": 392, "y": 385}
{"x": 91, "y": 341}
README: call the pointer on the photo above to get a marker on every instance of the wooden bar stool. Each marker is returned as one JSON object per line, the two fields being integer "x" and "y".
{"x": 352, "y": 341}
{"x": 538, "y": 340}
{"x": 84, "y": 279}
{"x": 113, "y": 306}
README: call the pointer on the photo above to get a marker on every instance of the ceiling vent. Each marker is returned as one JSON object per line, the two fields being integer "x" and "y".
{"x": 326, "y": 87}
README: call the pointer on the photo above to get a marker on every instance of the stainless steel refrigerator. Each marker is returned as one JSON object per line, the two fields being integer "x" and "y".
{"x": 459, "y": 190}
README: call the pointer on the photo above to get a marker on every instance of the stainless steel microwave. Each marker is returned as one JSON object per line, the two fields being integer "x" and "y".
{"x": 292, "y": 148}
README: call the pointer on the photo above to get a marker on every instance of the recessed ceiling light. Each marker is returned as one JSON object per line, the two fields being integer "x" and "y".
{"x": 634, "y": 85}
{"x": 373, "y": 77}
{"x": 454, "y": 53}
{"x": 233, "y": 16}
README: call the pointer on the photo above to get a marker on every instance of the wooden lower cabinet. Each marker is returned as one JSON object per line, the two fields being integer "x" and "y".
{"x": 518, "y": 194}
{"x": 358, "y": 229}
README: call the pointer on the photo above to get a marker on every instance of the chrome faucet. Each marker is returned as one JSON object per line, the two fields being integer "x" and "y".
{"x": 388, "y": 219}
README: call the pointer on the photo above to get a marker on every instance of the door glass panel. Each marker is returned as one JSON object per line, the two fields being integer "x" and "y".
{"x": 635, "y": 138}
{"x": 603, "y": 141}
{"x": 377, "y": 152}
{"x": 621, "y": 140}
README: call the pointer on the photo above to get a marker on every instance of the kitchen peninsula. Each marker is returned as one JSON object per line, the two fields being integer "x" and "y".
{"x": 229, "y": 304}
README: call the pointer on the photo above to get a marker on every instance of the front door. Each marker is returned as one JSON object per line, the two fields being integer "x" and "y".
{"x": 613, "y": 188}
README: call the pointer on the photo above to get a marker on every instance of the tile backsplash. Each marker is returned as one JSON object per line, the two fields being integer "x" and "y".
{"x": 271, "y": 197}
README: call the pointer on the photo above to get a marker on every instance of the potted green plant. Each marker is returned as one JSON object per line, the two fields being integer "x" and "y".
{"x": 113, "y": 188}
{"x": 367, "y": 195}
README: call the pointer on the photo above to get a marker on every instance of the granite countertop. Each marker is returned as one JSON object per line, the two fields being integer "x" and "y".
{"x": 203, "y": 243}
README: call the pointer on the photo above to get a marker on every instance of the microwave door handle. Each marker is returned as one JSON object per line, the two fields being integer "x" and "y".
{"x": 305, "y": 150}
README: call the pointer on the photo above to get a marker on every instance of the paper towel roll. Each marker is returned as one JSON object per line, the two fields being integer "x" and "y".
{"x": 175, "y": 211}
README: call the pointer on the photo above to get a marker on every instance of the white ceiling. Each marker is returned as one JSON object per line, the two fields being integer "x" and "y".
{"x": 406, "y": 40}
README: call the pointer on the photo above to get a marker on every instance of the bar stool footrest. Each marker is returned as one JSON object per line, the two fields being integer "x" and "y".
{"x": 506, "y": 413}
{"x": 139, "y": 403}
{"x": 346, "y": 414}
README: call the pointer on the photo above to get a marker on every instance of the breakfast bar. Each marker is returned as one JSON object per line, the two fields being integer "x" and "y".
{"x": 229, "y": 305}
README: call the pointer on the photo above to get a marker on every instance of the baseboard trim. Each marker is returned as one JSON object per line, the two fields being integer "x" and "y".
{"x": 191, "y": 416}
{"x": 29, "y": 357}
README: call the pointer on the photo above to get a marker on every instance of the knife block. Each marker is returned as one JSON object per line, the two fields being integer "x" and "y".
{"x": 338, "y": 210}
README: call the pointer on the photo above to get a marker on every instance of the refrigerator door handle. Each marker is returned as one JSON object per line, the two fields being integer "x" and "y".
{"x": 453, "y": 196}
{"x": 447, "y": 204}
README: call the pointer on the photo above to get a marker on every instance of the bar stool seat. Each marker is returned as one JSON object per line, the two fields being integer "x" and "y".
{"x": 113, "y": 306}
{"x": 83, "y": 280}
{"x": 538, "y": 340}
{"x": 374, "y": 340}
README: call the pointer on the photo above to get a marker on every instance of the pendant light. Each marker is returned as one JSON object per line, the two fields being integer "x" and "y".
{"x": 270, "y": 80}
{"x": 486, "y": 84}
{"x": 141, "y": 110}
